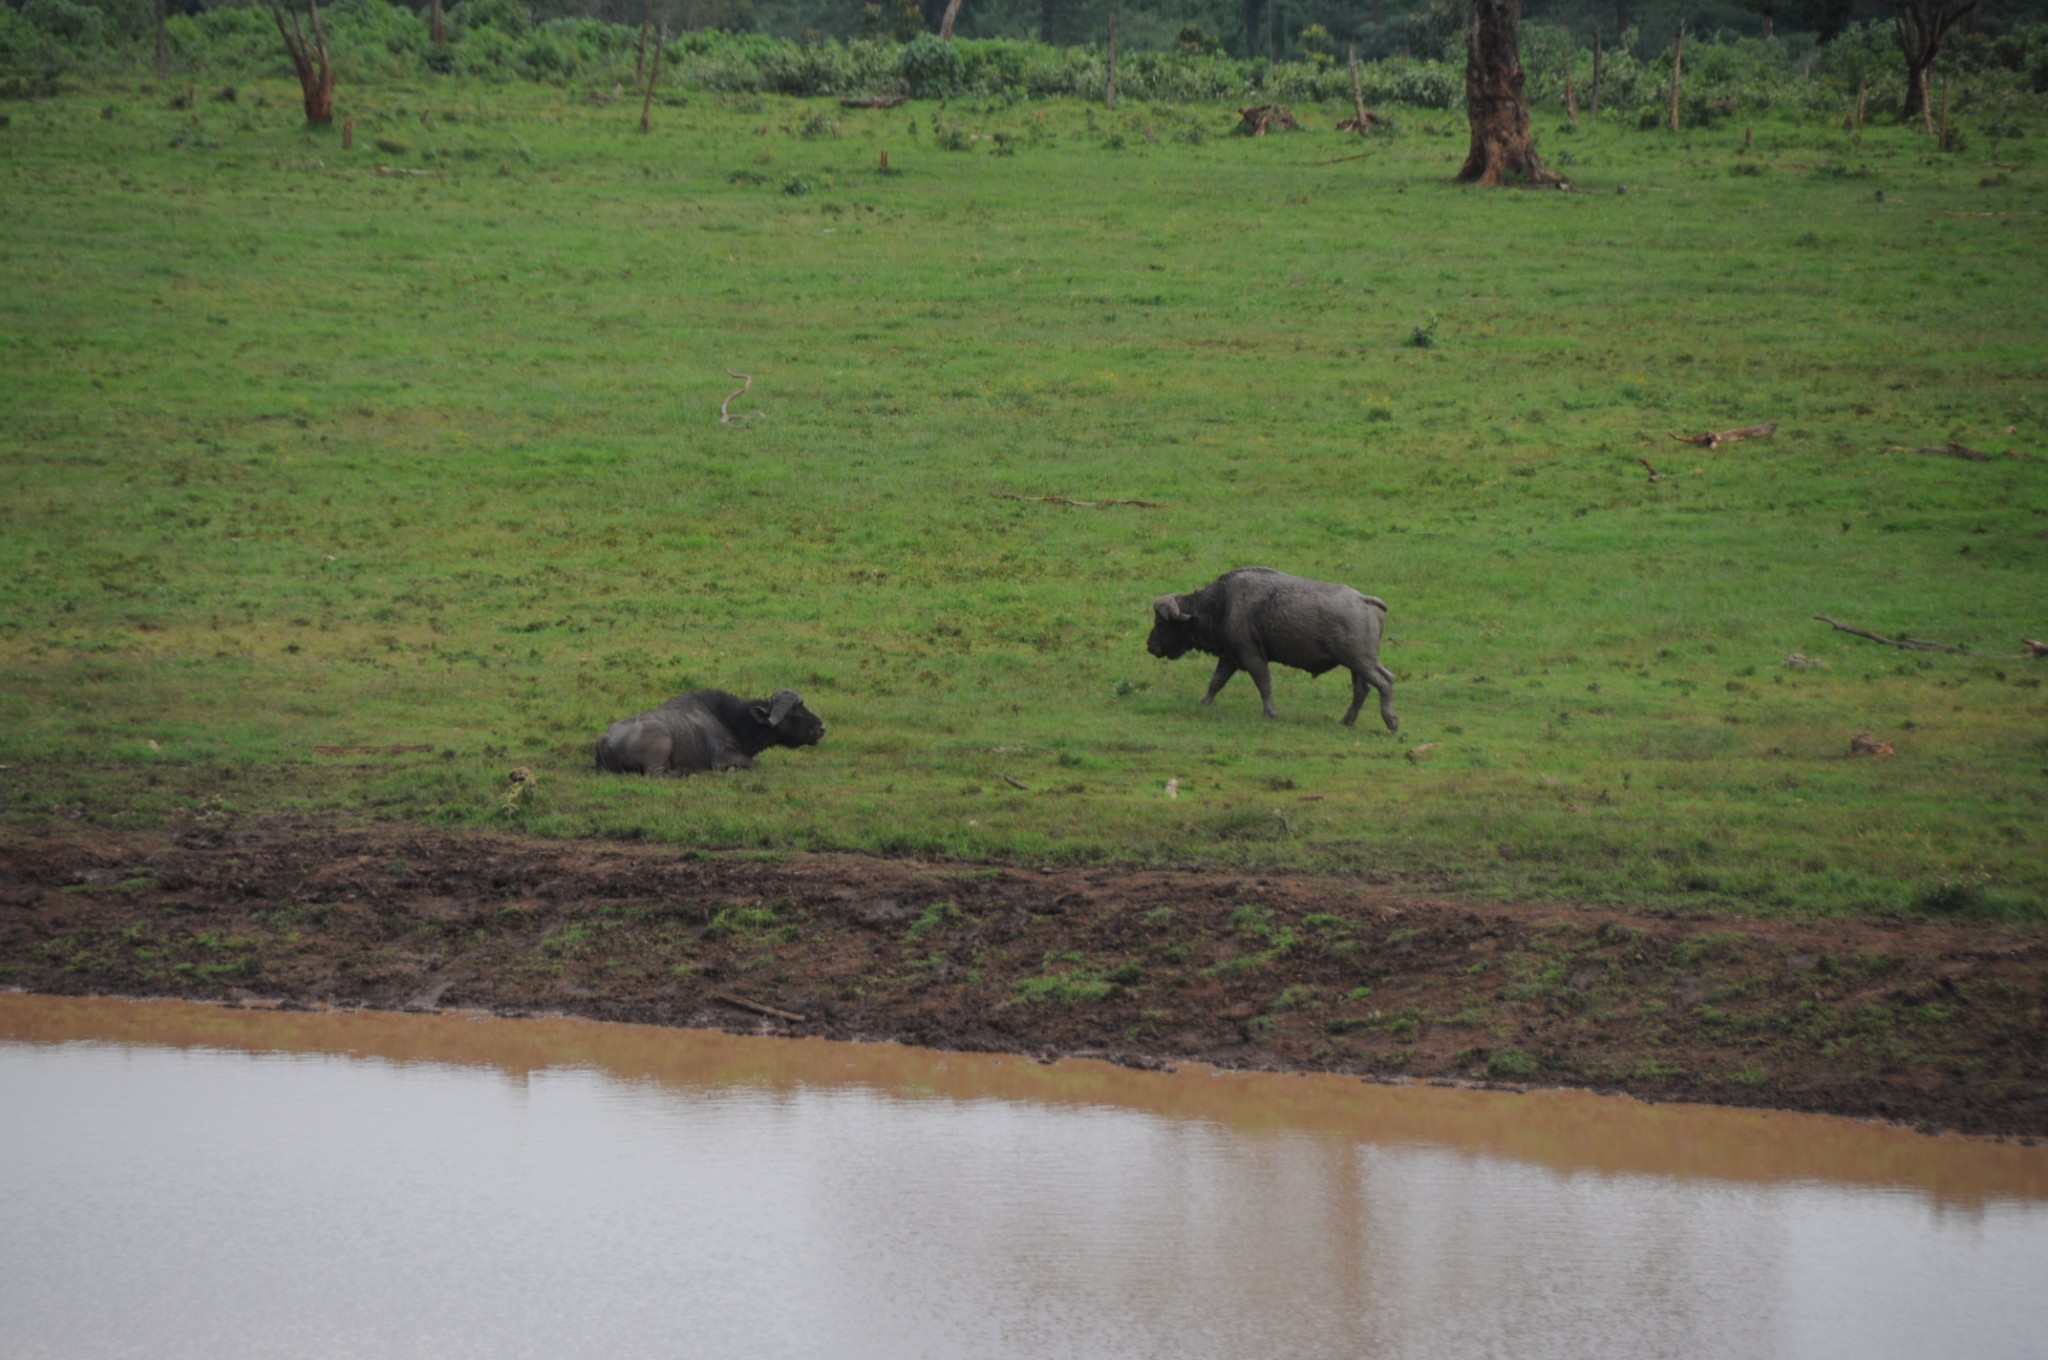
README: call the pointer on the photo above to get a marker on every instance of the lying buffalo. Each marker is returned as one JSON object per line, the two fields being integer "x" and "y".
{"x": 1253, "y": 615}
{"x": 707, "y": 729}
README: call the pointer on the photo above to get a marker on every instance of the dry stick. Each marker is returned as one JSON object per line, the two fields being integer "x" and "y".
{"x": 724, "y": 407}
{"x": 1015, "y": 784}
{"x": 1905, "y": 644}
{"x": 1360, "y": 121}
{"x": 757, "y": 1007}
{"x": 652, "y": 81}
{"x": 1677, "y": 64}
{"x": 1654, "y": 476}
{"x": 1715, "y": 439}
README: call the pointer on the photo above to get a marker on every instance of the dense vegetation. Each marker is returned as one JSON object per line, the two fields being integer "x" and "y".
{"x": 1413, "y": 56}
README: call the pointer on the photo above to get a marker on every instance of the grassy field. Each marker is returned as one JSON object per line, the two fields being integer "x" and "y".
{"x": 418, "y": 444}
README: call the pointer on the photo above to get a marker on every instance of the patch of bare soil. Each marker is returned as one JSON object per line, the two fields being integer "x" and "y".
{"x": 1935, "y": 1025}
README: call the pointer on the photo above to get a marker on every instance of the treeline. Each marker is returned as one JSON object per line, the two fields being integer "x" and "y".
{"x": 1726, "y": 72}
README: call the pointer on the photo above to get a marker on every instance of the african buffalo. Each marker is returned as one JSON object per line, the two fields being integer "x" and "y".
{"x": 1253, "y": 615}
{"x": 706, "y": 729}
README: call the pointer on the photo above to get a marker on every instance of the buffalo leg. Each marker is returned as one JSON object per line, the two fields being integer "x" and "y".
{"x": 1359, "y": 685}
{"x": 1256, "y": 668}
{"x": 1383, "y": 681}
{"x": 1225, "y": 668}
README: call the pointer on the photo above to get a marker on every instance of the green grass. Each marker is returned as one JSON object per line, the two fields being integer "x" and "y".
{"x": 301, "y": 454}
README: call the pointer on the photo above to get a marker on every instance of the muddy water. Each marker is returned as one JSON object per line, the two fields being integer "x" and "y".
{"x": 179, "y": 1180}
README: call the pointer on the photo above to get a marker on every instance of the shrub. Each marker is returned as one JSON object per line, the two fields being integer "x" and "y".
{"x": 931, "y": 68}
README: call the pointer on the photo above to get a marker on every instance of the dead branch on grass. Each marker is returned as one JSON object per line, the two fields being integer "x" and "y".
{"x": 758, "y": 1008}
{"x": 1952, "y": 449}
{"x": 1016, "y": 784}
{"x": 1716, "y": 438}
{"x": 1905, "y": 644}
{"x": 1260, "y": 119}
{"x": 1655, "y": 476}
{"x": 1079, "y": 505}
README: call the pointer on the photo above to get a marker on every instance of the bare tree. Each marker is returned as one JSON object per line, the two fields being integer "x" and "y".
{"x": 1921, "y": 26}
{"x": 1494, "y": 103}
{"x": 310, "y": 60}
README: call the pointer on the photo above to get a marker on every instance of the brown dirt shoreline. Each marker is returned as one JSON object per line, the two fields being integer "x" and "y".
{"x": 1940, "y": 1026}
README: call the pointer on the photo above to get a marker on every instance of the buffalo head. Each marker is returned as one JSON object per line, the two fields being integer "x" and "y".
{"x": 1173, "y": 628}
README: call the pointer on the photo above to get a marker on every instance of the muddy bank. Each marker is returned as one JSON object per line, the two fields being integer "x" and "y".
{"x": 1941, "y": 1026}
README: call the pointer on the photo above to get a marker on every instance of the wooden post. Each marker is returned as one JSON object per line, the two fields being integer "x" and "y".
{"x": 1594, "y": 103}
{"x": 1109, "y": 84}
{"x": 652, "y": 81}
{"x": 1677, "y": 64}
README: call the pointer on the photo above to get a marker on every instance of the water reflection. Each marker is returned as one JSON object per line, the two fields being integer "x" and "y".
{"x": 188, "y": 1180}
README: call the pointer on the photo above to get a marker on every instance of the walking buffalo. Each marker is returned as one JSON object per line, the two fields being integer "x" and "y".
{"x": 1253, "y": 615}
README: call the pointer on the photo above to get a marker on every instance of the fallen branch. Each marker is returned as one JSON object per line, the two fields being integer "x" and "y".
{"x": 1715, "y": 439}
{"x": 1952, "y": 449}
{"x": 1082, "y": 505}
{"x": 1339, "y": 160}
{"x": 725, "y": 407}
{"x": 1906, "y": 644}
{"x": 880, "y": 101}
{"x": 1260, "y": 119}
{"x": 1655, "y": 476}
{"x": 757, "y": 1007}
{"x": 1016, "y": 784}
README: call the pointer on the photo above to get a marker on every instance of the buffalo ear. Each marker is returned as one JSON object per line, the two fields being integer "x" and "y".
{"x": 780, "y": 703}
{"x": 1167, "y": 607}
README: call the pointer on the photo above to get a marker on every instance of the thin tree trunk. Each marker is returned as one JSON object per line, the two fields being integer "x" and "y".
{"x": 437, "y": 26}
{"x": 1494, "y": 103}
{"x": 648, "y": 103}
{"x": 1593, "y": 105}
{"x": 1571, "y": 100}
{"x": 1767, "y": 27}
{"x": 1677, "y": 65}
{"x": 163, "y": 64}
{"x": 946, "y": 23}
{"x": 1109, "y": 84}
{"x": 646, "y": 23}
{"x": 1941, "y": 137}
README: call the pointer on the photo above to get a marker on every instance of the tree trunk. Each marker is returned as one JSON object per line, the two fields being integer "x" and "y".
{"x": 1677, "y": 65}
{"x": 163, "y": 64}
{"x": 310, "y": 60}
{"x": 1109, "y": 83}
{"x": 1494, "y": 104}
{"x": 1593, "y": 104}
{"x": 1767, "y": 27}
{"x": 647, "y": 104}
{"x": 437, "y": 26}
{"x": 946, "y": 23}
{"x": 1921, "y": 26}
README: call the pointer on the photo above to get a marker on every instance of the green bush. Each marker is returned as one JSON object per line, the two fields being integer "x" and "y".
{"x": 931, "y": 67}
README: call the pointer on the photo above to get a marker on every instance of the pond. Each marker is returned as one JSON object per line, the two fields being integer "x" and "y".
{"x": 180, "y": 1180}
